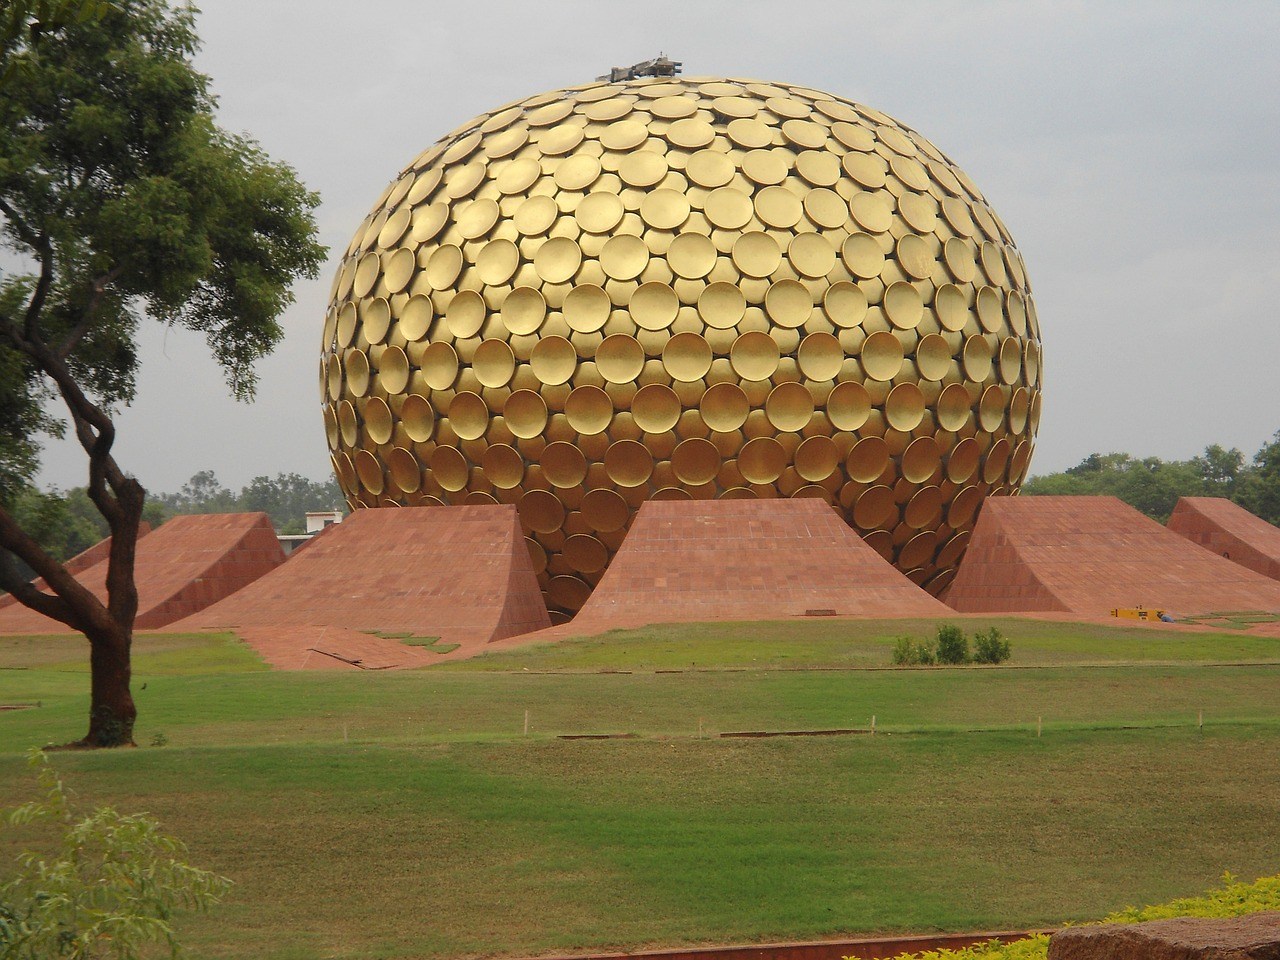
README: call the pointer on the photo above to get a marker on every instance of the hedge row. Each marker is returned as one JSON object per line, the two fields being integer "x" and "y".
{"x": 1232, "y": 899}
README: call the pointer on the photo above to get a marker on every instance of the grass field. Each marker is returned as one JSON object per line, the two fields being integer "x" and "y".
{"x": 407, "y": 815}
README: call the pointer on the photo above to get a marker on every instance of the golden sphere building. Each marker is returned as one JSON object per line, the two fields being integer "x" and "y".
{"x": 684, "y": 288}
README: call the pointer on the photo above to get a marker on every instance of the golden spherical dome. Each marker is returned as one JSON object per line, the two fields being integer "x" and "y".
{"x": 684, "y": 288}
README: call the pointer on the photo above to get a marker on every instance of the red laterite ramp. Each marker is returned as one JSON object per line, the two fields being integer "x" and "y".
{"x": 1090, "y": 555}
{"x": 180, "y": 568}
{"x": 1230, "y": 531}
{"x": 462, "y": 574}
{"x": 685, "y": 561}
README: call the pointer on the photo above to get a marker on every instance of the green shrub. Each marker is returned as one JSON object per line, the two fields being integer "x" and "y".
{"x": 109, "y": 887}
{"x": 953, "y": 645}
{"x": 908, "y": 653}
{"x": 990, "y": 647}
{"x": 1233, "y": 899}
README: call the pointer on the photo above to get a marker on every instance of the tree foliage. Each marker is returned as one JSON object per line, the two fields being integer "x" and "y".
{"x": 122, "y": 199}
{"x": 108, "y": 886}
{"x": 1153, "y": 486}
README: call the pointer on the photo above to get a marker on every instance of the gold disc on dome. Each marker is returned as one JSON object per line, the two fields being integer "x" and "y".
{"x": 687, "y": 357}
{"x": 778, "y": 207}
{"x": 356, "y": 364}
{"x": 367, "y": 271}
{"x": 394, "y": 228}
{"x": 535, "y": 216}
{"x": 789, "y": 407}
{"x": 557, "y": 260}
{"x": 754, "y": 356}
{"x": 605, "y": 510}
{"x": 553, "y": 360}
{"x": 863, "y": 255}
{"x": 826, "y": 208}
{"x": 602, "y": 111}
{"x": 962, "y": 461}
{"x": 733, "y": 107}
{"x": 762, "y": 460}
{"x": 619, "y": 358}
{"x": 468, "y": 415}
{"x": 933, "y": 356}
{"x": 399, "y": 270}
{"x": 497, "y": 262}
{"x": 585, "y": 553}
{"x": 904, "y": 407}
{"x": 563, "y": 464}
{"x": 817, "y": 458}
{"x": 952, "y": 308}
{"x": 977, "y": 358}
{"x": 628, "y": 463}
{"x": 673, "y": 107}
{"x": 921, "y": 459}
{"x": 577, "y": 172}
{"x": 676, "y": 493}
{"x": 540, "y": 511}
{"x": 990, "y": 309}
{"x": 811, "y": 254}
{"x": 465, "y": 314}
{"x": 820, "y": 356}
{"x": 695, "y": 461}
{"x": 439, "y": 365}
{"x": 378, "y": 422}
{"x": 903, "y": 305}
{"x": 443, "y": 266}
{"x": 915, "y": 257}
{"x": 845, "y": 304}
{"x": 449, "y": 469}
{"x": 523, "y": 310}
{"x": 503, "y": 466}
{"x": 690, "y": 133}
{"x": 954, "y": 407}
{"x": 586, "y": 308}
{"x": 476, "y": 219}
{"x": 923, "y": 508}
{"x": 709, "y": 169}
{"x": 525, "y": 414}
{"x": 418, "y": 418}
{"x": 653, "y": 306}
{"x": 724, "y": 407}
{"x": 691, "y": 256}
{"x": 805, "y": 133}
{"x": 664, "y": 209}
{"x": 517, "y": 176}
{"x": 369, "y": 471}
{"x": 560, "y": 140}
{"x": 756, "y": 254}
{"x": 848, "y": 406}
{"x": 404, "y": 470}
{"x": 871, "y": 212}
{"x": 868, "y": 460}
{"x": 568, "y": 592}
{"x": 624, "y": 257}
{"x": 764, "y": 167}
{"x": 375, "y": 318}
{"x": 588, "y": 409}
{"x": 789, "y": 303}
{"x": 643, "y": 169}
{"x": 623, "y": 135}
{"x": 599, "y": 212}
{"x": 750, "y": 133}
{"x": 721, "y": 305}
{"x": 866, "y": 169}
{"x": 820, "y": 168}
{"x": 959, "y": 257}
{"x": 728, "y": 208}
{"x": 991, "y": 409}
{"x": 656, "y": 408}
{"x": 393, "y": 370}
{"x": 494, "y": 363}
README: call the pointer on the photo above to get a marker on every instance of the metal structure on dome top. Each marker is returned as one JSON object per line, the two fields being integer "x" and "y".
{"x": 661, "y": 67}
{"x": 684, "y": 288}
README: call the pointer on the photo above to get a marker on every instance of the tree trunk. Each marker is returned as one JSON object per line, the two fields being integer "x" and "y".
{"x": 111, "y": 708}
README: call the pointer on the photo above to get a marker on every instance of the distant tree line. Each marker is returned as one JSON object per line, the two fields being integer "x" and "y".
{"x": 65, "y": 523}
{"x": 1153, "y": 486}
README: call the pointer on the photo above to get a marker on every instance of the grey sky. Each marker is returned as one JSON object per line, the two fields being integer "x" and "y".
{"x": 1132, "y": 149}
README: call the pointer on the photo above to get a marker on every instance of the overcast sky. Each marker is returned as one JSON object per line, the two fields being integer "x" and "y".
{"x": 1132, "y": 149}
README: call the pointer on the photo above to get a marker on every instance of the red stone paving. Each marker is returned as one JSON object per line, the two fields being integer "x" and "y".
{"x": 459, "y": 573}
{"x": 188, "y": 563}
{"x": 1230, "y": 531}
{"x": 1088, "y": 555}
{"x": 687, "y": 561}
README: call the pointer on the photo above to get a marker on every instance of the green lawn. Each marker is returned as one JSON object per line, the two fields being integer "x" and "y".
{"x": 371, "y": 815}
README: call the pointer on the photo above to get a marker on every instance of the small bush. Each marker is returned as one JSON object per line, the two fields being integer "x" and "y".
{"x": 908, "y": 653}
{"x": 990, "y": 647}
{"x": 953, "y": 645}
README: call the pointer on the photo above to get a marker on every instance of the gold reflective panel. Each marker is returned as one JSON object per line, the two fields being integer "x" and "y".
{"x": 683, "y": 288}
